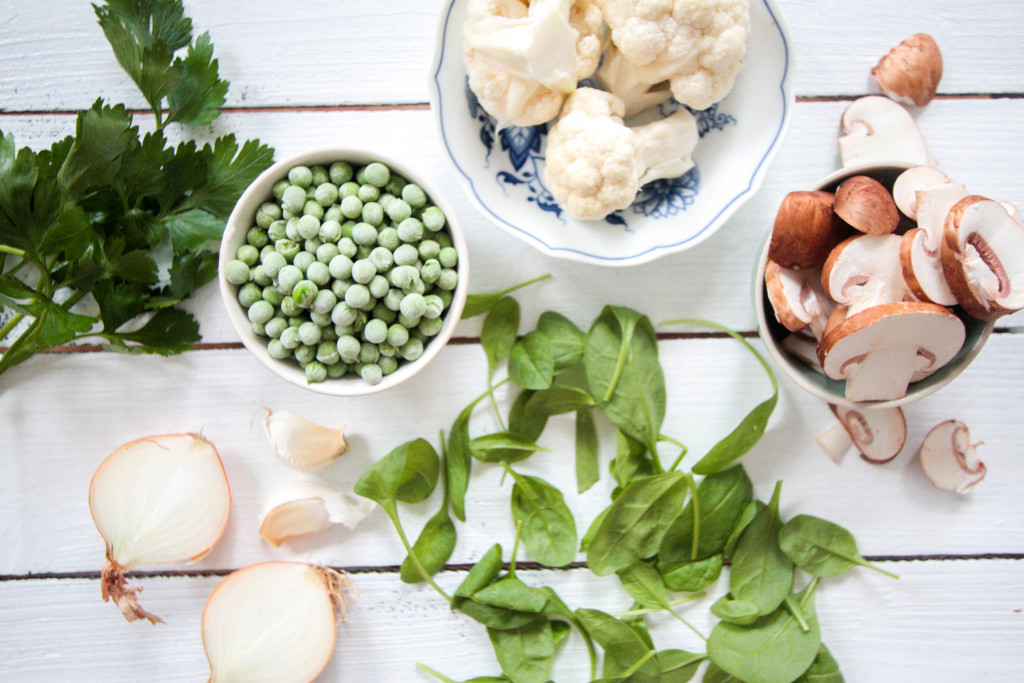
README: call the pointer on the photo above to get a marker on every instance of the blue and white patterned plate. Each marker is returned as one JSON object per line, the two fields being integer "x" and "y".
{"x": 502, "y": 171}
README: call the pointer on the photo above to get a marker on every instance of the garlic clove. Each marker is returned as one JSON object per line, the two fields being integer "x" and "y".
{"x": 303, "y": 508}
{"x": 302, "y": 444}
{"x": 274, "y": 622}
{"x": 157, "y": 500}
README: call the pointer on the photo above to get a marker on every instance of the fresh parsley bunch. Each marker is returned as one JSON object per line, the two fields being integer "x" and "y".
{"x": 131, "y": 220}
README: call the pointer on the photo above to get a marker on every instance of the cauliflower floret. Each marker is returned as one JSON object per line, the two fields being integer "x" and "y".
{"x": 522, "y": 58}
{"x": 595, "y": 164}
{"x": 697, "y": 45}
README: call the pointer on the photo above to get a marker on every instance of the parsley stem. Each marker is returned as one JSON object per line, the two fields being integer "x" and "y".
{"x": 10, "y": 325}
{"x": 4, "y": 249}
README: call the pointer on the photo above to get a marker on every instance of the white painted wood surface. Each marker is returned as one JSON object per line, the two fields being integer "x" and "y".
{"x": 294, "y": 67}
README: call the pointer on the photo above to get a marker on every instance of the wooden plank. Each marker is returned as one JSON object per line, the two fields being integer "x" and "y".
{"x": 944, "y": 622}
{"x": 324, "y": 52}
{"x": 714, "y": 279}
{"x": 63, "y": 414}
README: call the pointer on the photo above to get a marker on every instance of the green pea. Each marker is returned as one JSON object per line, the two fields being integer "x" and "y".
{"x": 304, "y": 354}
{"x": 336, "y": 370}
{"x": 321, "y": 319}
{"x": 434, "y": 306}
{"x": 313, "y": 208}
{"x": 277, "y": 231}
{"x": 364, "y": 234}
{"x": 406, "y": 255}
{"x": 368, "y": 353}
{"x": 368, "y": 193}
{"x": 333, "y": 213}
{"x": 429, "y": 249}
{"x": 279, "y": 187}
{"x": 448, "y": 280}
{"x": 430, "y": 272}
{"x": 260, "y": 277}
{"x": 349, "y": 189}
{"x": 347, "y": 247}
{"x": 343, "y": 314}
{"x": 294, "y": 198}
{"x": 324, "y": 302}
{"x": 248, "y": 294}
{"x": 315, "y": 372}
{"x": 272, "y": 295}
{"x": 386, "y": 350}
{"x": 289, "y": 307}
{"x": 448, "y": 257}
{"x": 257, "y": 237}
{"x": 300, "y": 176}
{"x": 340, "y": 172}
{"x": 278, "y": 350}
{"x": 357, "y": 296}
{"x": 348, "y": 348}
{"x": 276, "y": 326}
{"x": 309, "y": 333}
{"x": 236, "y": 272}
{"x": 379, "y": 286}
{"x": 260, "y": 312}
{"x": 320, "y": 175}
{"x": 339, "y": 287}
{"x": 412, "y": 349}
{"x": 326, "y": 194}
{"x": 363, "y": 271}
{"x": 287, "y": 248}
{"x": 396, "y": 184}
{"x": 398, "y": 335}
{"x": 318, "y": 273}
{"x": 387, "y": 365}
{"x": 430, "y": 326}
{"x": 351, "y": 207}
{"x": 433, "y": 218}
{"x": 399, "y": 210}
{"x": 371, "y": 373}
{"x": 389, "y": 239}
{"x": 377, "y": 174}
{"x": 327, "y": 353}
{"x": 290, "y": 338}
{"x": 375, "y": 331}
{"x": 372, "y": 213}
{"x": 330, "y": 232}
{"x": 382, "y": 312}
{"x": 414, "y": 196}
{"x": 410, "y": 230}
{"x": 393, "y": 299}
{"x": 304, "y": 293}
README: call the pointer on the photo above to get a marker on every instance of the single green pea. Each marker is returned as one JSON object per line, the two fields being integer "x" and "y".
{"x": 324, "y": 303}
{"x": 382, "y": 312}
{"x": 388, "y": 238}
{"x": 328, "y": 333}
{"x": 360, "y": 322}
{"x": 448, "y": 280}
{"x": 311, "y": 246}
{"x": 429, "y": 249}
{"x": 323, "y": 320}
{"x": 387, "y": 364}
{"x": 336, "y": 370}
{"x": 309, "y": 333}
{"x": 430, "y": 326}
{"x": 277, "y": 350}
{"x": 433, "y": 218}
{"x": 326, "y": 252}
{"x": 398, "y": 335}
{"x": 330, "y": 232}
{"x": 403, "y": 277}
{"x": 363, "y": 271}
{"x": 386, "y": 350}
{"x": 348, "y": 189}
{"x": 340, "y": 267}
{"x": 248, "y": 294}
{"x": 444, "y": 239}
{"x": 375, "y": 331}
{"x": 291, "y": 229}
{"x": 384, "y": 200}
{"x": 267, "y": 214}
{"x": 300, "y": 176}
{"x": 290, "y": 338}
{"x": 448, "y": 257}
{"x": 347, "y": 247}
{"x": 406, "y": 255}
{"x": 376, "y": 174}
{"x": 414, "y": 196}
{"x": 315, "y": 372}
{"x": 434, "y": 306}
{"x": 430, "y": 272}
{"x": 399, "y": 210}
{"x": 368, "y": 353}
{"x": 314, "y": 209}
{"x": 357, "y": 296}
{"x": 304, "y": 293}
{"x": 272, "y": 295}
{"x": 381, "y": 258}
{"x": 351, "y": 207}
{"x": 276, "y": 326}
{"x": 266, "y": 249}
{"x": 393, "y": 298}
{"x": 379, "y": 286}
{"x": 309, "y": 227}
{"x": 294, "y": 198}
{"x": 348, "y": 348}
{"x": 318, "y": 273}
{"x": 364, "y": 234}
{"x": 236, "y": 272}
{"x": 304, "y": 354}
{"x": 446, "y": 297}
{"x": 410, "y": 230}
{"x": 277, "y": 231}
{"x": 372, "y": 213}
{"x": 413, "y": 305}
{"x": 288, "y": 214}
{"x": 248, "y": 254}
{"x": 273, "y": 262}
{"x": 339, "y": 287}
{"x": 260, "y": 312}
{"x": 412, "y": 349}
{"x": 340, "y": 172}
{"x": 408, "y": 323}
{"x": 333, "y": 213}
{"x": 371, "y": 373}
{"x": 326, "y": 194}
{"x": 257, "y": 237}
{"x": 260, "y": 277}
{"x": 343, "y": 314}
{"x": 320, "y": 175}
{"x": 327, "y": 353}
{"x": 297, "y": 319}
{"x": 368, "y": 193}
{"x": 396, "y": 184}
{"x": 279, "y": 187}
{"x": 287, "y": 248}
{"x": 289, "y": 307}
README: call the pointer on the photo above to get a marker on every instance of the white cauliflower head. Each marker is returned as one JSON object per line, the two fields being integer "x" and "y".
{"x": 522, "y": 58}
{"x": 697, "y": 45}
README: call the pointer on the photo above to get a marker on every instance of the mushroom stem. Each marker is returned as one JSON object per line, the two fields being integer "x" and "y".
{"x": 835, "y": 441}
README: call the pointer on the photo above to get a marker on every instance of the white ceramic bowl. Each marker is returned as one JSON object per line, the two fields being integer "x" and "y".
{"x": 243, "y": 217}
{"x": 502, "y": 171}
{"x": 834, "y": 391}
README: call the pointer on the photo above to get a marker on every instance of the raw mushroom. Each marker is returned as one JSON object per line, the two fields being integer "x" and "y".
{"x": 864, "y": 271}
{"x": 797, "y": 298}
{"x": 911, "y": 71}
{"x": 880, "y": 131}
{"x": 920, "y": 249}
{"x": 983, "y": 258}
{"x": 949, "y": 459}
{"x": 806, "y": 230}
{"x": 803, "y": 347}
{"x": 910, "y": 182}
{"x": 878, "y": 433}
{"x": 866, "y": 205}
{"x": 879, "y": 351}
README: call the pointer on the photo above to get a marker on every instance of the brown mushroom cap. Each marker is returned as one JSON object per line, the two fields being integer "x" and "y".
{"x": 949, "y": 459}
{"x": 806, "y": 229}
{"x": 911, "y": 71}
{"x": 797, "y": 298}
{"x": 983, "y": 258}
{"x": 879, "y": 350}
{"x": 866, "y": 205}
{"x": 878, "y": 433}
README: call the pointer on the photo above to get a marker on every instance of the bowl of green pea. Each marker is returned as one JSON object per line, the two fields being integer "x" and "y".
{"x": 343, "y": 271}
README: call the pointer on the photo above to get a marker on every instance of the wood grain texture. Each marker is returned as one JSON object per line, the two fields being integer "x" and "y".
{"x": 51, "y": 449}
{"x": 941, "y": 622}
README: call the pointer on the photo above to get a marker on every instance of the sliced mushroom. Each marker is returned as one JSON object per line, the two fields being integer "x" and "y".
{"x": 1013, "y": 211}
{"x": 920, "y": 249}
{"x": 880, "y": 131}
{"x": 866, "y": 205}
{"x": 910, "y": 182}
{"x": 797, "y": 298}
{"x": 878, "y": 433}
{"x": 302, "y": 508}
{"x": 911, "y": 71}
{"x": 806, "y": 229}
{"x": 803, "y": 347}
{"x": 880, "y": 350}
{"x": 949, "y": 459}
{"x": 983, "y": 258}
{"x": 864, "y": 271}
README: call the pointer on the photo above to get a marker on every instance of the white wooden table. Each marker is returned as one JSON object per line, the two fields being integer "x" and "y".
{"x": 337, "y": 71}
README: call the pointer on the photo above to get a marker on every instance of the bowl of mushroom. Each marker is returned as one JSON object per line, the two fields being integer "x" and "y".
{"x": 882, "y": 283}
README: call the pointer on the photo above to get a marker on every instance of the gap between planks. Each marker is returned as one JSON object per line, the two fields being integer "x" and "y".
{"x": 526, "y": 566}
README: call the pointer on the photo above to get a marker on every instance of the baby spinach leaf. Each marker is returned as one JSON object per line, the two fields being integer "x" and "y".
{"x": 741, "y": 524}
{"x": 690, "y": 576}
{"x": 761, "y": 573}
{"x": 503, "y": 447}
{"x": 434, "y": 546}
{"x": 621, "y": 362}
{"x": 592, "y": 529}
{"x": 548, "y": 529}
{"x": 458, "y": 462}
{"x": 636, "y": 522}
{"x": 482, "y": 573}
{"x": 643, "y": 583}
{"x": 560, "y": 630}
{"x": 526, "y": 653}
{"x": 715, "y": 675}
{"x": 735, "y": 611}
{"x": 824, "y": 669}
{"x": 631, "y": 460}
{"x": 557, "y": 400}
{"x": 821, "y": 548}
{"x": 499, "y": 331}
{"x": 566, "y": 339}
{"x": 531, "y": 364}
{"x": 511, "y": 593}
{"x": 408, "y": 474}
{"x": 587, "y": 468}
{"x": 497, "y": 618}
{"x": 481, "y": 303}
{"x": 774, "y": 649}
{"x": 621, "y": 644}
{"x": 719, "y": 503}
{"x": 676, "y": 666}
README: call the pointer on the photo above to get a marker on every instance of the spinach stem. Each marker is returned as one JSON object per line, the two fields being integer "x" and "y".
{"x": 795, "y": 610}
{"x": 734, "y": 335}
{"x": 10, "y": 325}
{"x": 636, "y": 665}
{"x": 591, "y": 650}
{"x": 683, "y": 450}
{"x": 651, "y": 610}
{"x": 863, "y": 563}
{"x": 812, "y": 587}
{"x": 439, "y": 676}
{"x": 4, "y": 249}
{"x": 620, "y": 363}
{"x": 695, "y": 544}
{"x": 688, "y": 625}
{"x": 515, "y": 544}
{"x": 393, "y": 514}
{"x": 522, "y": 284}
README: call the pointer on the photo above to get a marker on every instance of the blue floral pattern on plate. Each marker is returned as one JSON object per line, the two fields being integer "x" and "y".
{"x": 524, "y": 147}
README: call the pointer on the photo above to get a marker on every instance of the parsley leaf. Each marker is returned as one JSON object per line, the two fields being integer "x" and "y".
{"x": 200, "y": 93}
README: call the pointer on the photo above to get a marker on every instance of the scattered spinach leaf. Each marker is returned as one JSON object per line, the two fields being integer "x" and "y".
{"x": 822, "y": 548}
{"x": 499, "y": 331}
{"x": 503, "y": 447}
{"x": 824, "y": 669}
{"x": 526, "y": 653}
{"x": 722, "y": 496}
{"x": 482, "y": 303}
{"x": 531, "y": 364}
{"x": 565, "y": 338}
{"x": 738, "y": 612}
{"x": 761, "y": 573}
{"x": 588, "y": 470}
{"x": 548, "y": 529}
{"x": 690, "y": 576}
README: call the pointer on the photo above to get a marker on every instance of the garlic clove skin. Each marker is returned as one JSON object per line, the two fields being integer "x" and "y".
{"x": 303, "y": 508}
{"x": 302, "y": 444}
{"x": 157, "y": 500}
{"x": 274, "y": 622}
